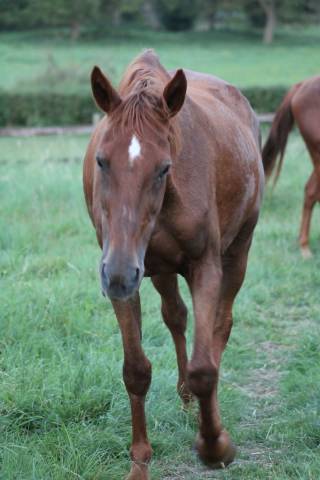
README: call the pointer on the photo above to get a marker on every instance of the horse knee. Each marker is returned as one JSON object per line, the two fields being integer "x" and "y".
{"x": 202, "y": 379}
{"x": 311, "y": 193}
{"x": 137, "y": 376}
{"x": 309, "y": 199}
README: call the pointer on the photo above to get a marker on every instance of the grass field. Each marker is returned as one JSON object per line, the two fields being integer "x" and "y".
{"x": 63, "y": 408}
{"x": 32, "y": 61}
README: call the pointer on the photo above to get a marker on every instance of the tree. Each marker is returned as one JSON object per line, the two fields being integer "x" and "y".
{"x": 64, "y": 12}
{"x": 269, "y": 9}
{"x": 47, "y": 13}
{"x": 177, "y": 15}
{"x": 13, "y": 14}
{"x": 208, "y": 11}
{"x": 254, "y": 13}
{"x": 118, "y": 10}
{"x": 266, "y": 13}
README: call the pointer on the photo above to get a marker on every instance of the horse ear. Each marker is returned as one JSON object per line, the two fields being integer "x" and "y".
{"x": 104, "y": 94}
{"x": 175, "y": 92}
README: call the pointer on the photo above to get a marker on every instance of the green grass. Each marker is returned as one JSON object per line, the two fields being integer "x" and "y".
{"x": 63, "y": 408}
{"x": 33, "y": 61}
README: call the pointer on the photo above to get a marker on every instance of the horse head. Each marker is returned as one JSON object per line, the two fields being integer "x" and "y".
{"x": 133, "y": 160}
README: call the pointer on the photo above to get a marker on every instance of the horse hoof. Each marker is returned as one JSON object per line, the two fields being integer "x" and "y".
{"x": 138, "y": 472}
{"x": 218, "y": 453}
{"x": 306, "y": 253}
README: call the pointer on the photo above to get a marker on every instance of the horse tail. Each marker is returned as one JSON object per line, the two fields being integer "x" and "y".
{"x": 277, "y": 140}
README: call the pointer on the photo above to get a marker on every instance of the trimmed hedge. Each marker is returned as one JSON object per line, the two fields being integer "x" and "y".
{"x": 265, "y": 99}
{"x": 44, "y": 108}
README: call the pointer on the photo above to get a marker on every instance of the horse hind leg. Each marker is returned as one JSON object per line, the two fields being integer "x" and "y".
{"x": 311, "y": 195}
{"x": 174, "y": 313}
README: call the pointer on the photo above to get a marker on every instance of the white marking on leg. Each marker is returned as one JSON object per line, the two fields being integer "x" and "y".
{"x": 134, "y": 150}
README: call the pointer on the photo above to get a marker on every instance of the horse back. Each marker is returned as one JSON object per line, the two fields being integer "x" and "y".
{"x": 211, "y": 91}
{"x": 305, "y": 106}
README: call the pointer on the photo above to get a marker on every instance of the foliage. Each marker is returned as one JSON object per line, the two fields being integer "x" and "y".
{"x": 177, "y": 14}
{"x": 254, "y": 13}
{"x": 35, "y": 13}
{"x": 48, "y": 82}
{"x": 14, "y": 14}
{"x": 173, "y": 14}
{"x": 266, "y": 13}
{"x": 130, "y": 9}
{"x": 71, "y": 13}
{"x": 265, "y": 99}
{"x": 44, "y": 108}
{"x": 298, "y": 11}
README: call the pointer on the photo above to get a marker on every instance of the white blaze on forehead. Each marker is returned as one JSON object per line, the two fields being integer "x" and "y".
{"x": 134, "y": 149}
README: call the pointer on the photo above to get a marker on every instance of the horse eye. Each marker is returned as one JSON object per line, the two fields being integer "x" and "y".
{"x": 164, "y": 171}
{"x": 99, "y": 161}
{"x": 102, "y": 162}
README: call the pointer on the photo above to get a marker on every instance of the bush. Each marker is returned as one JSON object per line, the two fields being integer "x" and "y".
{"x": 42, "y": 109}
{"x": 265, "y": 99}
{"x": 177, "y": 15}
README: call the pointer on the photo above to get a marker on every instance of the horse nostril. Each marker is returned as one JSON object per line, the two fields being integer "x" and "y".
{"x": 104, "y": 273}
{"x": 136, "y": 278}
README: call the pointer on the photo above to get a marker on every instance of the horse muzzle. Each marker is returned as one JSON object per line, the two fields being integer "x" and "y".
{"x": 120, "y": 283}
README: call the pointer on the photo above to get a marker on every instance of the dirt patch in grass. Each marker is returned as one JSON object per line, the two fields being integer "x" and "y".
{"x": 264, "y": 381}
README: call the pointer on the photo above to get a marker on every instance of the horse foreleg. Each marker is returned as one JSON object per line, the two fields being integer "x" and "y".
{"x": 174, "y": 313}
{"x": 213, "y": 443}
{"x": 137, "y": 378}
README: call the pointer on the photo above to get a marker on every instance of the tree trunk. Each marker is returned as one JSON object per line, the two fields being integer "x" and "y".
{"x": 75, "y": 30}
{"x": 211, "y": 19}
{"x": 271, "y": 19}
{"x": 150, "y": 15}
{"x": 269, "y": 26}
{"x": 116, "y": 18}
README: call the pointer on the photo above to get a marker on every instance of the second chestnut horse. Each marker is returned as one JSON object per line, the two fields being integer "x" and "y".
{"x": 173, "y": 181}
{"x": 300, "y": 105}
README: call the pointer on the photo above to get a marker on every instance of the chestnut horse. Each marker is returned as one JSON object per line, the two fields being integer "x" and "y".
{"x": 173, "y": 181}
{"x": 300, "y": 105}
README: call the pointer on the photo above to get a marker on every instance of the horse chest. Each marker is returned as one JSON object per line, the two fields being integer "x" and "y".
{"x": 170, "y": 251}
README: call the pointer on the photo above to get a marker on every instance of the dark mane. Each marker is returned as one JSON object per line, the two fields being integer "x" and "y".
{"x": 143, "y": 107}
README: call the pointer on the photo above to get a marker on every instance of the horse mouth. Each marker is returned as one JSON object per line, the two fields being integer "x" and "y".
{"x": 119, "y": 292}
